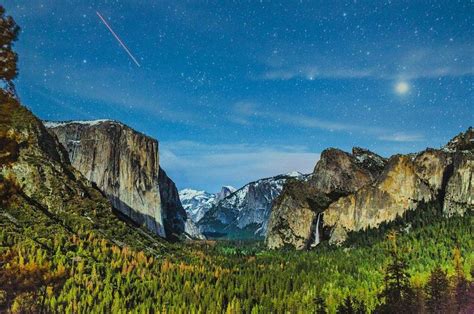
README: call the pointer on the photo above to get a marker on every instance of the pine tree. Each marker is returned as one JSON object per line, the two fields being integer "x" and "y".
{"x": 320, "y": 305}
{"x": 438, "y": 292}
{"x": 460, "y": 283}
{"x": 9, "y": 31}
{"x": 398, "y": 294}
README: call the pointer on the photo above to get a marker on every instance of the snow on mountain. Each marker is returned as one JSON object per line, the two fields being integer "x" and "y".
{"x": 55, "y": 124}
{"x": 196, "y": 203}
{"x": 225, "y": 191}
{"x": 245, "y": 212}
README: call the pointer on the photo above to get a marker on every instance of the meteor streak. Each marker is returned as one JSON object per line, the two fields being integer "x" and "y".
{"x": 118, "y": 39}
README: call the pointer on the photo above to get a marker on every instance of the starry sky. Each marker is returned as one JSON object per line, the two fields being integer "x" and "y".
{"x": 237, "y": 91}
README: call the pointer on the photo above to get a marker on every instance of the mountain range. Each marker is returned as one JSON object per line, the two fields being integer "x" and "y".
{"x": 347, "y": 192}
{"x": 241, "y": 213}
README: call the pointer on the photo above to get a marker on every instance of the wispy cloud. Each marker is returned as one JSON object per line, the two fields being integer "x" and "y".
{"x": 402, "y": 137}
{"x": 414, "y": 63}
{"x": 314, "y": 72}
{"x": 233, "y": 164}
{"x": 249, "y": 112}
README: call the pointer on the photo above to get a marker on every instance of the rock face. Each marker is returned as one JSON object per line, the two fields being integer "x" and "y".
{"x": 459, "y": 195}
{"x": 225, "y": 191}
{"x": 362, "y": 191}
{"x": 294, "y": 219}
{"x": 175, "y": 218}
{"x": 43, "y": 195}
{"x": 125, "y": 166}
{"x": 245, "y": 212}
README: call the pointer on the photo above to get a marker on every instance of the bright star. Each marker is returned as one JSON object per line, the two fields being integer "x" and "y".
{"x": 402, "y": 88}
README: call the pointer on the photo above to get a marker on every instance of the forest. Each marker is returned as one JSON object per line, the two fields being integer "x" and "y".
{"x": 46, "y": 267}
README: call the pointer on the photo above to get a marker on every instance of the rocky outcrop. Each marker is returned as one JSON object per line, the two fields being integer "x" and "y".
{"x": 459, "y": 194}
{"x": 42, "y": 196}
{"x": 294, "y": 219}
{"x": 398, "y": 189}
{"x": 360, "y": 191}
{"x": 245, "y": 212}
{"x": 125, "y": 166}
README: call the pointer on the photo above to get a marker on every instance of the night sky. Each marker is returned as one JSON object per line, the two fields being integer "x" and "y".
{"x": 239, "y": 91}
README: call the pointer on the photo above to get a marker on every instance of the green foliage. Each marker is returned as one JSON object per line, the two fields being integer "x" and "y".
{"x": 236, "y": 277}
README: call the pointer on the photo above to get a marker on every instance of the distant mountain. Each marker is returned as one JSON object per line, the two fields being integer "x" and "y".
{"x": 197, "y": 203}
{"x": 225, "y": 191}
{"x": 245, "y": 212}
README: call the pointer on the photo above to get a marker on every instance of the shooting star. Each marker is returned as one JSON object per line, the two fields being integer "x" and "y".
{"x": 118, "y": 39}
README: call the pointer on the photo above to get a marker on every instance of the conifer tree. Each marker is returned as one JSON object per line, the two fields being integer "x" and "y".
{"x": 398, "y": 294}
{"x": 9, "y": 31}
{"x": 438, "y": 300}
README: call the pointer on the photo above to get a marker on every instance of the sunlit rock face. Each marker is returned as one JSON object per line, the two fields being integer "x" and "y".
{"x": 338, "y": 173}
{"x": 444, "y": 175}
{"x": 125, "y": 166}
{"x": 362, "y": 190}
{"x": 459, "y": 194}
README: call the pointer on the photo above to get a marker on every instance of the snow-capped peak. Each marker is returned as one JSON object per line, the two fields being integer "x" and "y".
{"x": 196, "y": 202}
{"x": 55, "y": 124}
{"x": 294, "y": 174}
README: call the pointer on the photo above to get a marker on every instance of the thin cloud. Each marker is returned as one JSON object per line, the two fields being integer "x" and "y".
{"x": 247, "y": 111}
{"x": 416, "y": 63}
{"x": 228, "y": 164}
{"x": 402, "y": 137}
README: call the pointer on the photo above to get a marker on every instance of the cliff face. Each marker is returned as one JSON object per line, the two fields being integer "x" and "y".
{"x": 459, "y": 195}
{"x": 294, "y": 219}
{"x": 175, "y": 218}
{"x": 357, "y": 192}
{"x": 125, "y": 166}
{"x": 42, "y": 195}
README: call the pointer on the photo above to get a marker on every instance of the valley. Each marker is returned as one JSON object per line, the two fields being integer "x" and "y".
{"x": 90, "y": 221}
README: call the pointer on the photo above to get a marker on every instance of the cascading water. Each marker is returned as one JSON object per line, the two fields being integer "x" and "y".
{"x": 316, "y": 232}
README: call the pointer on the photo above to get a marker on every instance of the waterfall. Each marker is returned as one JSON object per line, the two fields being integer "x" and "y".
{"x": 316, "y": 232}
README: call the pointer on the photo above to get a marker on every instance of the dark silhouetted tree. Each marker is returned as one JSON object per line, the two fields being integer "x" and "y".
{"x": 438, "y": 300}
{"x": 460, "y": 283}
{"x": 398, "y": 294}
{"x": 352, "y": 306}
{"x": 320, "y": 305}
{"x": 9, "y": 31}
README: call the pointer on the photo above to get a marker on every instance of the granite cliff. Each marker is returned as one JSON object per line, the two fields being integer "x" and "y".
{"x": 355, "y": 192}
{"x": 41, "y": 192}
{"x": 444, "y": 175}
{"x": 295, "y": 214}
{"x": 125, "y": 166}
